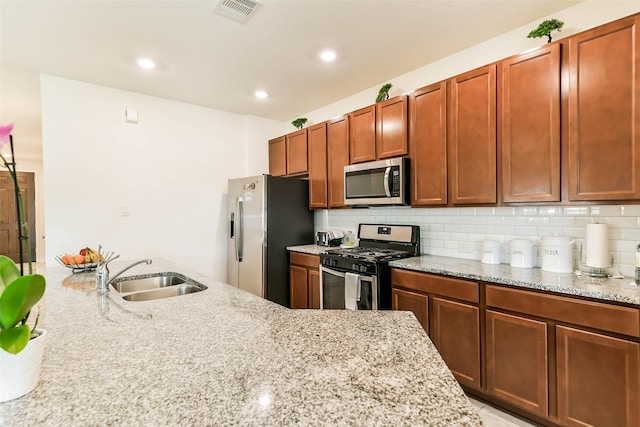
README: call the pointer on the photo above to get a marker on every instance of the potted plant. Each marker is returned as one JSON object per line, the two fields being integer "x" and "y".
{"x": 545, "y": 28}
{"x": 21, "y": 345}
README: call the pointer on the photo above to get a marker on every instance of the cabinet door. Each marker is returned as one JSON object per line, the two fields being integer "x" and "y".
{"x": 298, "y": 287}
{"x": 391, "y": 127}
{"x": 402, "y": 300}
{"x": 297, "y": 152}
{"x": 471, "y": 140}
{"x": 317, "y": 147}
{"x": 604, "y": 118}
{"x": 428, "y": 145}
{"x": 337, "y": 159}
{"x": 598, "y": 379}
{"x": 517, "y": 361}
{"x": 314, "y": 288}
{"x": 530, "y": 126}
{"x": 455, "y": 331}
{"x": 277, "y": 157}
{"x": 362, "y": 135}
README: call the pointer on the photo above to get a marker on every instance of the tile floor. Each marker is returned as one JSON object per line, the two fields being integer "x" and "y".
{"x": 492, "y": 417}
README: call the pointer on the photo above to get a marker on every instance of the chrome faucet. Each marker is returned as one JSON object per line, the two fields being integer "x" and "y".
{"x": 102, "y": 276}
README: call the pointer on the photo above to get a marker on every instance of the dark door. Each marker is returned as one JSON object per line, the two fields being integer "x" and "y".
{"x": 8, "y": 215}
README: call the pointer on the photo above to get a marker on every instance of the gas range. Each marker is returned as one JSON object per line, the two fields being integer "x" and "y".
{"x": 379, "y": 244}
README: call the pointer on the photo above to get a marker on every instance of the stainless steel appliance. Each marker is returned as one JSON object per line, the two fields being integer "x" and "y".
{"x": 359, "y": 278}
{"x": 266, "y": 214}
{"x": 329, "y": 238}
{"x": 383, "y": 182}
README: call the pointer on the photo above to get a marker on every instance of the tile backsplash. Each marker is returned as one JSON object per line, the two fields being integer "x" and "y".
{"x": 459, "y": 232}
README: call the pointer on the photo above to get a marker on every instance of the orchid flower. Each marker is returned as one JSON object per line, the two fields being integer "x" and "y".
{"x": 5, "y": 133}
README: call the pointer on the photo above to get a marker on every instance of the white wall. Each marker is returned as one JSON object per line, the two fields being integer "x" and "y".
{"x": 170, "y": 169}
{"x": 444, "y": 230}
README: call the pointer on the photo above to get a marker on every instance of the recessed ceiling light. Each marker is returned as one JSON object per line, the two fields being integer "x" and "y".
{"x": 260, "y": 94}
{"x": 146, "y": 63}
{"x": 327, "y": 55}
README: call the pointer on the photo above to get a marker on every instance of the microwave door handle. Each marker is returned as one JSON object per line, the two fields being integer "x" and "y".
{"x": 387, "y": 174}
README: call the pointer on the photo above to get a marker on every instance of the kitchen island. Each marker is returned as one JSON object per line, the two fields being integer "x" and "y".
{"x": 226, "y": 357}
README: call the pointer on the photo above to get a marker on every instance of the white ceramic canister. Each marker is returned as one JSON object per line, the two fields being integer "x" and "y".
{"x": 491, "y": 252}
{"x": 557, "y": 254}
{"x": 523, "y": 253}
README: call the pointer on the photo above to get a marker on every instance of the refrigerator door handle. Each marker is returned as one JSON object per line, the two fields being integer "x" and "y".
{"x": 238, "y": 229}
{"x": 232, "y": 225}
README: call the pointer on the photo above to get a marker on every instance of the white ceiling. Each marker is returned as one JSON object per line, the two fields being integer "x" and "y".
{"x": 210, "y": 60}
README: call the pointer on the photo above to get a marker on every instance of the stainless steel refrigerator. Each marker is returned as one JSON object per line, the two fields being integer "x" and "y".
{"x": 265, "y": 215}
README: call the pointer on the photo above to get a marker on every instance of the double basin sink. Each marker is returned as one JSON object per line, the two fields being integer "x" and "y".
{"x": 155, "y": 286}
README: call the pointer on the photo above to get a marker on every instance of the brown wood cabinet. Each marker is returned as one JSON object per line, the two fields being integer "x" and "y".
{"x": 471, "y": 141}
{"x": 297, "y": 152}
{"x": 337, "y": 159}
{"x": 317, "y": 149}
{"x": 530, "y": 126}
{"x": 304, "y": 280}
{"x": 604, "y": 121}
{"x": 516, "y": 352}
{"x": 449, "y": 307}
{"x": 591, "y": 350}
{"x": 362, "y": 135}
{"x": 598, "y": 379}
{"x": 428, "y": 145}
{"x": 455, "y": 331}
{"x": 278, "y": 157}
{"x": 391, "y": 127}
{"x": 417, "y": 303}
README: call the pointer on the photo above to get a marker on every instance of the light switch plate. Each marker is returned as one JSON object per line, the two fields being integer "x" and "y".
{"x": 125, "y": 210}
{"x": 131, "y": 115}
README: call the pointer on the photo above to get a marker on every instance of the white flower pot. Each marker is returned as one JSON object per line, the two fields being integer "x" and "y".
{"x": 19, "y": 373}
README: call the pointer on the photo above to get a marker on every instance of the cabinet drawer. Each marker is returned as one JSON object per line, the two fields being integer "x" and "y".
{"x": 444, "y": 286}
{"x": 306, "y": 260}
{"x": 607, "y": 317}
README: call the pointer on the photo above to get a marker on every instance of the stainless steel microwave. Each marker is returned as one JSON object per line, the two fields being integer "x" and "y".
{"x": 383, "y": 182}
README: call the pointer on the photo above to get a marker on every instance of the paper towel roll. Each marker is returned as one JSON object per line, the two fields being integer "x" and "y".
{"x": 597, "y": 246}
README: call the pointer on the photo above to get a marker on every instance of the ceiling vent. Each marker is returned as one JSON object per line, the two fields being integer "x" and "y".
{"x": 238, "y": 10}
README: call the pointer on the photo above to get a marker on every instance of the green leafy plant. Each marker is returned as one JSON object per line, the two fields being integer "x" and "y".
{"x": 545, "y": 28}
{"x": 384, "y": 92}
{"x": 299, "y": 122}
{"x": 18, "y": 295}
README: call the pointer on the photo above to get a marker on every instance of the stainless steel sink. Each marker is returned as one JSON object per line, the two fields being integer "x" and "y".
{"x": 156, "y": 286}
{"x": 134, "y": 285}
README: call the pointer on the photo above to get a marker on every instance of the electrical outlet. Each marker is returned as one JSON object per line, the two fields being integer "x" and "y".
{"x": 466, "y": 247}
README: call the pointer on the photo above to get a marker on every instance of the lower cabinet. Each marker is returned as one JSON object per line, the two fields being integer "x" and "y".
{"x": 455, "y": 331}
{"x": 517, "y": 361}
{"x": 557, "y": 360}
{"x": 448, "y": 311}
{"x": 304, "y": 280}
{"x": 598, "y": 379}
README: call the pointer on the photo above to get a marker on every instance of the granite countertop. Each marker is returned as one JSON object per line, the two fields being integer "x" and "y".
{"x": 226, "y": 357}
{"x": 606, "y": 289}
{"x": 308, "y": 249}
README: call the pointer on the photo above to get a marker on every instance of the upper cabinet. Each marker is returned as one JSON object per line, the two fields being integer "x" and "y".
{"x": 471, "y": 141}
{"x": 317, "y": 150}
{"x": 378, "y": 131}
{"x": 288, "y": 154}
{"x": 604, "y": 115}
{"x": 529, "y": 106}
{"x": 337, "y": 159}
{"x": 362, "y": 135}
{"x": 297, "y": 152}
{"x": 428, "y": 145}
{"x": 278, "y": 157}
{"x": 391, "y": 127}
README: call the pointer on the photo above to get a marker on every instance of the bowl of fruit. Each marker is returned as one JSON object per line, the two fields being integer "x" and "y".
{"x": 86, "y": 259}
